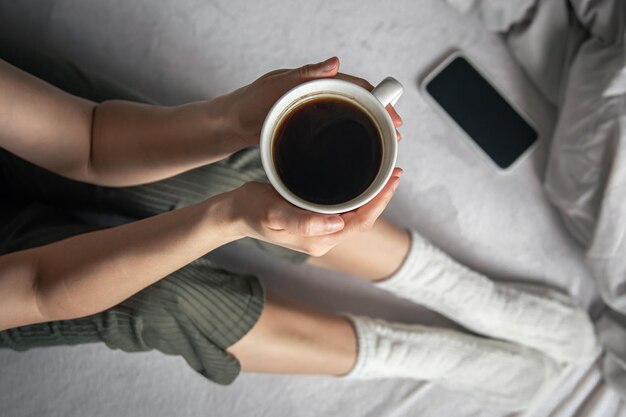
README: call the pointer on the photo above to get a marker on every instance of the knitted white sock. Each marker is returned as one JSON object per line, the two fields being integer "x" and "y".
{"x": 503, "y": 374}
{"x": 545, "y": 320}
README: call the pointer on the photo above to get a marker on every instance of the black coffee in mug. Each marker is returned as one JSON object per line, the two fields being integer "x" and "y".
{"x": 327, "y": 151}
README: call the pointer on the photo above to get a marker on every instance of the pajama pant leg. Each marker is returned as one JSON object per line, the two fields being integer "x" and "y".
{"x": 195, "y": 312}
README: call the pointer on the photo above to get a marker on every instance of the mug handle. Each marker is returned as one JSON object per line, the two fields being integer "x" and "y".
{"x": 388, "y": 91}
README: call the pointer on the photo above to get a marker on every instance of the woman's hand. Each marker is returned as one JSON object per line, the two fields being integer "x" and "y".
{"x": 261, "y": 213}
{"x": 250, "y": 104}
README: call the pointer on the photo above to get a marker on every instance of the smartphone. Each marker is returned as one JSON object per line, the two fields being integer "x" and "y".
{"x": 477, "y": 108}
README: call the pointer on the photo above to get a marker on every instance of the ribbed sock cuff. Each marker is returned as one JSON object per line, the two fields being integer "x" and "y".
{"x": 364, "y": 346}
{"x": 415, "y": 261}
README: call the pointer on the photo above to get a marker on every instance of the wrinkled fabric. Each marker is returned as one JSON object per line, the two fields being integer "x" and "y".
{"x": 574, "y": 51}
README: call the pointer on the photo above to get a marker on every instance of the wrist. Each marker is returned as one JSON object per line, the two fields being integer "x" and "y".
{"x": 221, "y": 211}
{"x": 242, "y": 118}
{"x": 221, "y": 125}
{"x": 225, "y": 109}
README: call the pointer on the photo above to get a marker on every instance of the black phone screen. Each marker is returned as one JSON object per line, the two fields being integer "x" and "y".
{"x": 481, "y": 112}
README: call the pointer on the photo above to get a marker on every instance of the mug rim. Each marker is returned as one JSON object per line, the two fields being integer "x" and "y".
{"x": 345, "y": 90}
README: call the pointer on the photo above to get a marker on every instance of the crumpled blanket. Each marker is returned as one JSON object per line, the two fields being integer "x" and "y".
{"x": 575, "y": 53}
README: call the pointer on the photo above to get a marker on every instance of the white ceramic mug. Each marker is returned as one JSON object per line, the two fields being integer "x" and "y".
{"x": 372, "y": 103}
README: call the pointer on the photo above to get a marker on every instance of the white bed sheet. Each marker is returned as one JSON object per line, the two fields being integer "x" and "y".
{"x": 500, "y": 224}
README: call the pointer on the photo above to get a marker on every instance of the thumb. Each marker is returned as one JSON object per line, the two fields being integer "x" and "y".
{"x": 305, "y": 223}
{"x": 327, "y": 68}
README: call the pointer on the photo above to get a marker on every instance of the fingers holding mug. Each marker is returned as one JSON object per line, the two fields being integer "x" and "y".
{"x": 361, "y": 82}
{"x": 365, "y": 216}
{"x": 395, "y": 117}
{"x": 397, "y": 120}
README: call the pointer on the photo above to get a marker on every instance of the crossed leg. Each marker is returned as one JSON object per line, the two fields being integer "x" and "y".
{"x": 294, "y": 340}
{"x": 547, "y": 328}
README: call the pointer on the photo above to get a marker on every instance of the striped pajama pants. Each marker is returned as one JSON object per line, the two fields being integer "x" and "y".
{"x": 197, "y": 311}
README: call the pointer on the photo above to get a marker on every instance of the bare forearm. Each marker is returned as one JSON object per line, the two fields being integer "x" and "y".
{"x": 114, "y": 143}
{"x": 133, "y": 143}
{"x": 88, "y": 273}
